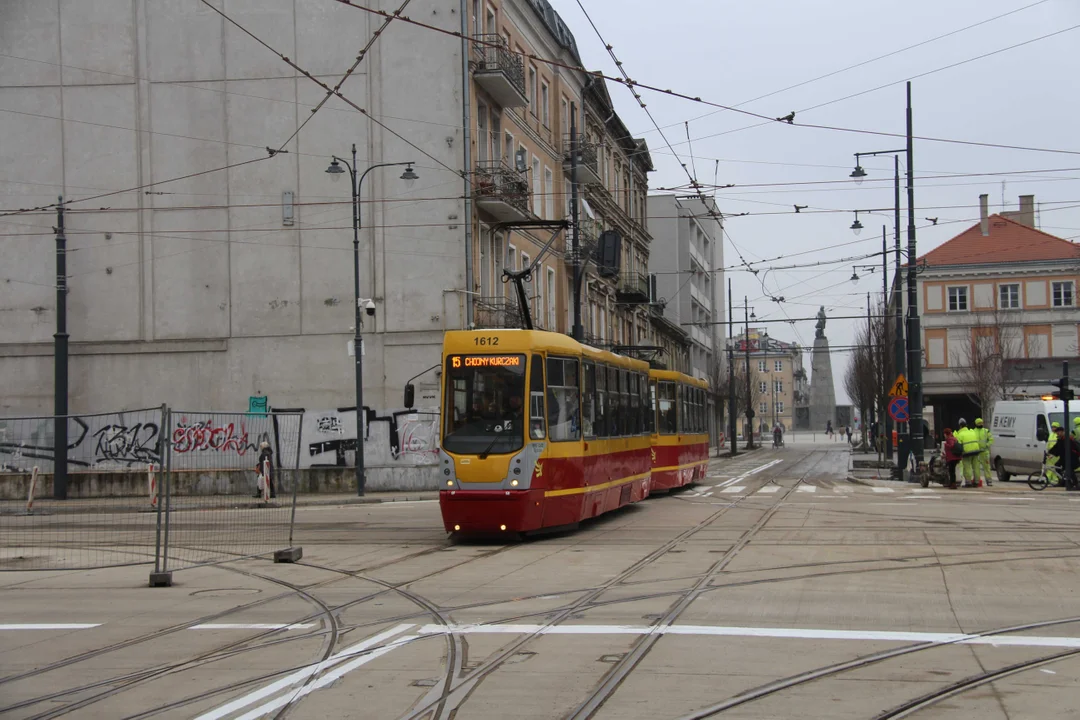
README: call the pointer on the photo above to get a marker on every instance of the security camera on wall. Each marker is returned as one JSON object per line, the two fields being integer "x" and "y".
{"x": 369, "y": 308}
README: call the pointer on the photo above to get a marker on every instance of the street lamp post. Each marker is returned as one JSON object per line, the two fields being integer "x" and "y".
{"x": 335, "y": 170}
{"x": 913, "y": 338}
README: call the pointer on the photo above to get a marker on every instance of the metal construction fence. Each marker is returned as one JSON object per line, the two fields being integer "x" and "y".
{"x": 171, "y": 488}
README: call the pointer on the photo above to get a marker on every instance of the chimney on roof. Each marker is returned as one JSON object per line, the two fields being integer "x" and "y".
{"x": 984, "y": 221}
{"x": 1026, "y": 214}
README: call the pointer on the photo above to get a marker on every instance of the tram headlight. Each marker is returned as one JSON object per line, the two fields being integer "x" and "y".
{"x": 450, "y": 483}
{"x": 502, "y": 527}
{"x": 513, "y": 483}
{"x": 457, "y": 527}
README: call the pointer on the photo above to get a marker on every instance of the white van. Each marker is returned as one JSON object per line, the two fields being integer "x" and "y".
{"x": 1020, "y": 429}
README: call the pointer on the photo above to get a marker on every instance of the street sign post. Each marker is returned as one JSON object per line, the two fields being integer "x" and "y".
{"x": 898, "y": 409}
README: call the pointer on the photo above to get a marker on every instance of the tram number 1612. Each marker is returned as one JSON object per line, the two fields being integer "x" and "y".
{"x": 486, "y": 341}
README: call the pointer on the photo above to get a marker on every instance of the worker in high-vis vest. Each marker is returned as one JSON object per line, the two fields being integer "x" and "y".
{"x": 969, "y": 448}
{"x": 986, "y": 441}
{"x": 1076, "y": 428}
{"x": 1051, "y": 460}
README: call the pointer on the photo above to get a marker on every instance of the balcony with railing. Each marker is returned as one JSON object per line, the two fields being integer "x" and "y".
{"x": 501, "y": 191}
{"x": 588, "y": 235}
{"x": 499, "y": 72}
{"x": 633, "y": 288}
{"x": 496, "y": 312}
{"x": 588, "y": 160}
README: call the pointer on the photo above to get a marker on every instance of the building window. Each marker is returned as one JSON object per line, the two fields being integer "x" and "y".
{"x": 565, "y": 129}
{"x": 549, "y": 194}
{"x": 778, "y": 386}
{"x": 537, "y": 207}
{"x": 482, "y": 132}
{"x": 763, "y": 408}
{"x": 958, "y": 299}
{"x": 1009, "y": 296}
{"x": 1062, "y": 294}
{"x": 550, "y": 297}
{"x": 545, "y": 113}
{"x": 779, "y": 406}
{"x": 778, "y": 366}
{"x": 532, "y": 89}
{"x": 496, "y": 137}
{"x": 761, "y": 366}
{"x": 763, "y": 387}
{"x": 508, "y": 154}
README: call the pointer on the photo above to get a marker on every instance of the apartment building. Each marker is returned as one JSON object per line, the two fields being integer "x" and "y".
{"x": 999, "y": 306}
{"x": 522, "y": 110}
{"x": 687, "y": 264}
{"x": 778, "y": 382}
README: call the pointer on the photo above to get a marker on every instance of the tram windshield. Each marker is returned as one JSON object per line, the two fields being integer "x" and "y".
{"x": 485, "y": 404}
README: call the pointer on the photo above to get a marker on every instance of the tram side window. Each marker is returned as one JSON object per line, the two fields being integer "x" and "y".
{"x": 613, "y": 402}
{"x": 588, "y": 400}
{"x": 602, "y": 402}
{"x": 695, "y": 410}
{"x": 666, "y": 419}
{"x": 652, "y": 400}
{"x": 536, "y": 399}
{"x": 626, "y": 424}
{"x": 564, "y": 420}
{"x": 701, "y": 411}
{"x": 635, "y": 405}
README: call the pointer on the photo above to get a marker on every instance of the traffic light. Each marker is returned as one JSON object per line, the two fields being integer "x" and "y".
{"x": 1063, "y": 392}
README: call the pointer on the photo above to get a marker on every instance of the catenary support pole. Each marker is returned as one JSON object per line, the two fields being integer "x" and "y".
{"x": 60, "y": 363}
{"x": 733, "y": 426}
{"x": 915, "y": 391}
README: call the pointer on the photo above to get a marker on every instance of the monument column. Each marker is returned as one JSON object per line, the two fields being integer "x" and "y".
{"x": 822, "y": 393}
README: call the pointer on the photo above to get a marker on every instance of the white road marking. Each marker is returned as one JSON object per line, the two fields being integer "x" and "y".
{"x": 330, "y": 677}
{"x": 49, "y": 626}
{"x": 762, "y": 632}
{"x": 768, "y": 490}
{"x": 392, "y": 503}
{"x": 707, "y": 494}
{"x": 253, "y": 626}
{"x": 924, "y": 490}
{"x": 748, "y": 473}
{"x": 734, "y": 489}
{"x": 881, "y": 490}
{"x": 303, "y": 674}
{"x": 806, "y": 488}
{"x": 839, "y": 489}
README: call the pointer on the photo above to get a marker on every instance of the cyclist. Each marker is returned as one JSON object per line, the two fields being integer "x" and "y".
{"x": 1051, "y": 460}
{"x": 1066, "y": 444}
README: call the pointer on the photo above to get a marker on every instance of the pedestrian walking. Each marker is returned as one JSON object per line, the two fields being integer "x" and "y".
{"x": 828, "y": 430}
{"x": 265, "y": 468}
{"x": 849, "y": 434}
{"x": 952, "y": 455}
{"x": 986, "y": 440}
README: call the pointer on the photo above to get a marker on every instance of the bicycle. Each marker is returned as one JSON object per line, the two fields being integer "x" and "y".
{"x": 1040, "y": 479}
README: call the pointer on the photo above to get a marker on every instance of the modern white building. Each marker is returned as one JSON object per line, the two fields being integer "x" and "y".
{"x": 687, "y": 261}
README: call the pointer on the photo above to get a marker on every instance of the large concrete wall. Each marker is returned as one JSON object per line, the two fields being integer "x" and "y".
{"x": 194, "y": 291}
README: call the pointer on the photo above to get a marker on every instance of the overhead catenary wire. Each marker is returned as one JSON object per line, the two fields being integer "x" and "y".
{"x": 632, "y": 84}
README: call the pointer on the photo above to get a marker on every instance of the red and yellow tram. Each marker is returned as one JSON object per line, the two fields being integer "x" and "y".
{"x": 539, "y": 431}
{"x": 680, "y": 440}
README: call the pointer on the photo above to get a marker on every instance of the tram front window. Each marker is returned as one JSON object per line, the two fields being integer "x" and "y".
{"x": 485, "y": 404}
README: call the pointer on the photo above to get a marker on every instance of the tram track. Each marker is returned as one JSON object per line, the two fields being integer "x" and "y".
{"x": 458, "y": 690}
{"x": 626, "y": 665}
{"x": 119, "y": 684}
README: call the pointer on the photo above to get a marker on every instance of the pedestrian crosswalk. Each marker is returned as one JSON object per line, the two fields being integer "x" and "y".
{"x": 731, "y": 492}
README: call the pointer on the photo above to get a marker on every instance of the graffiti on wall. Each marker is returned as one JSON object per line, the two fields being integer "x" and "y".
{"x": 110, "y": 441}
{"x": 304, "y": 438}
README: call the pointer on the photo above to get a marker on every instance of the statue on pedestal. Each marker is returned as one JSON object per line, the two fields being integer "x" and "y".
{"x": 820, "y": 326}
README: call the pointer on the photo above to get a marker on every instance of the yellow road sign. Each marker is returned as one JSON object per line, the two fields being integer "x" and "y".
{"x": 900, "y": 387}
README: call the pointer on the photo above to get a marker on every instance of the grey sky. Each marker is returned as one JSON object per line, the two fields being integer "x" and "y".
{"x": 731, "y": 52}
